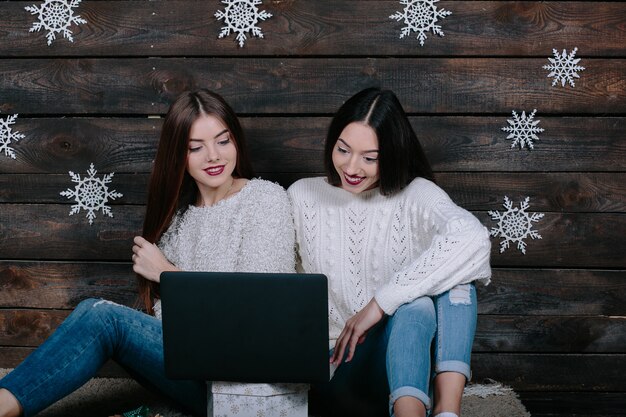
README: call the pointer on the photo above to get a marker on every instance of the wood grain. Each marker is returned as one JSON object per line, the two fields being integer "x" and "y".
{"x": 548, "y": 192}
{"x": 134, "y": 86}
{"x": 521, "y": 292}
{"x": 294, "y": 145}
{"x": 348, "y": 27}
{"x": 591, "y": 240}
{"x": 62, "y": 285}
{"x": 558, "y": 292}
{"x": 545, "y": 372}
{"x": 495, "y": 334}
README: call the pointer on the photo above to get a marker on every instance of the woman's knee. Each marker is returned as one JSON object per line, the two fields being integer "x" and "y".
{"x": 97, "y": 309}
{"x": 419, "y": 311}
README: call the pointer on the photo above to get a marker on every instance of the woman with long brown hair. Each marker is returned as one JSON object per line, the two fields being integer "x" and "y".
{"x": 204, "y": 213}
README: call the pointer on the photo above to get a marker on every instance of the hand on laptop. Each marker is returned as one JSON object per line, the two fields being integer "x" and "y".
{"x": 355, "y": 331}
{"x": 148, "y": 260}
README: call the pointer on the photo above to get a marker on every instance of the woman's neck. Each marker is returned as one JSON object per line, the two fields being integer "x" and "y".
{"x": 211, "y": 196}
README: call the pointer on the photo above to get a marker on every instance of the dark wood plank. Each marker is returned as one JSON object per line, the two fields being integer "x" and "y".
{"x": 556, "y": 334}
{"x": 568, "y": 240}
{"x": 552, "y": 372}
{"x": 554, "y": 292}
{"x": 28, "y": 327}
{"x": 348, "y": 27}
{"x": 539, "y": 334}
{"x": 297, "y": 85}
{"x": 570, "y": 192}
{"x": 25, "y": 233}
{"x": 590, "y": 240}
{"x": 62, "y": 285}
{"x": 295, "y": 145}
{"x": 588, "y": 404}
{"x": 521, "y": 292}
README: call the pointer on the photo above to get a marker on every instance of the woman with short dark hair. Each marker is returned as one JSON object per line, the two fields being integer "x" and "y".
{"x": 401, "y": 259}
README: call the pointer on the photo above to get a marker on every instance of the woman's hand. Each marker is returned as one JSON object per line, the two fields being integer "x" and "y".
{"x": 355, "y": 331}
{"x": 148, "y": 260}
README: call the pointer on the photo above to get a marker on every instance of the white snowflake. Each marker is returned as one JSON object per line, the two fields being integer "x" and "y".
{"x": 241, "y": 16}
{"x": 91, "y": 194}
{"x": 523, "y": 129}
{"x": 420, "y": 16}
{"x": 56, "y": 16}
{"x": 515, "y": 224}
{"x": 564, "y": 67}
{"x": 7, "y": 135}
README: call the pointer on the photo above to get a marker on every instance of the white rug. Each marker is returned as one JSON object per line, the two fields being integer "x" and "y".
{"x": 109, "y": 396}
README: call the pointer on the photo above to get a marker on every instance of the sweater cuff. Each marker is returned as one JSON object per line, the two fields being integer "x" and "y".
{"x": 387, "y": 299}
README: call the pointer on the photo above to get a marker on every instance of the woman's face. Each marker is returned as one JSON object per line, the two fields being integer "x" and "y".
{"x": 212, "y": 154}
{"x": 355, "y": 158}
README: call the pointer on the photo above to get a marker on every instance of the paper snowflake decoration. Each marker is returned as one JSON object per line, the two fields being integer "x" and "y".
{"x": 515, "y": 225}
{"x": 420, "y": 16}
{"x": 523, "y": 130}
{"x": 56, "y": 16}
{"x": 7, "y": 135}
{"x": 91, "y": 194}
{"x": 241, "y": 16}
{"x": 564, "y": 67}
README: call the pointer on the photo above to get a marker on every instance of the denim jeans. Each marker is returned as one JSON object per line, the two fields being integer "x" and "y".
{"x": 456, "y": 326}
{"x": 395, "y": 358}
{"x": 98, "y": 330}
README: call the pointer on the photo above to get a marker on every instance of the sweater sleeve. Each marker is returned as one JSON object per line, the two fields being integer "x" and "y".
{"x": 269, "y": 241}
{"x": 458, "y": 253}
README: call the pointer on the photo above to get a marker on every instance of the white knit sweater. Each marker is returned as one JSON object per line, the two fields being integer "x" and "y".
{"x": 251, "y": 231}
{"x": 395, "y": 249}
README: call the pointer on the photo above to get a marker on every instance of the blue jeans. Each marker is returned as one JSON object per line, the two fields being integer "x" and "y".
{"x": 395, "y": 358}
{"x": 98, "y": 330}
{"x": 456, "y": 325}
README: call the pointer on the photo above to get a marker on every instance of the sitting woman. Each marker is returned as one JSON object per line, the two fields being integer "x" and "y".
{"x": 204, "y": 213}
{"x": 401, "y": 259}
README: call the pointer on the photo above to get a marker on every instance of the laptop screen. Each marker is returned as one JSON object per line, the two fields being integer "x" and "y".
{"x": 245, "y": 327}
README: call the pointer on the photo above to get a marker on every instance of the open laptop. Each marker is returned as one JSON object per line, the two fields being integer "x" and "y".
{"x": 245, "y": 327}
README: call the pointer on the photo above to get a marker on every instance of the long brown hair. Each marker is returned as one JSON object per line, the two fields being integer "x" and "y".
{"x": 171, "y": 188}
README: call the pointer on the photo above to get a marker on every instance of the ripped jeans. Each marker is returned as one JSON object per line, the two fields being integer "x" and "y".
{"x": 98, "y": 330}
{"x": 395, "y": 358}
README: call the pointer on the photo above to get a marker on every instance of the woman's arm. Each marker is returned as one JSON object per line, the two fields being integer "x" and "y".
{"x": 459, "y": 253}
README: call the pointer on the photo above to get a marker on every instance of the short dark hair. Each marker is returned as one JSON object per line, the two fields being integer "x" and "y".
{"x": 400, "y": 157}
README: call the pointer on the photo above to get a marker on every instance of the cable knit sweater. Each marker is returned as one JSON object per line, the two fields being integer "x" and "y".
{"x": 251, "y": 231}
{"x": 393, "y": 248}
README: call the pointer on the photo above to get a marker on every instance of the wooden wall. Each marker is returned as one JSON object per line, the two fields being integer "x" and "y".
{"x": 553, "y": 322}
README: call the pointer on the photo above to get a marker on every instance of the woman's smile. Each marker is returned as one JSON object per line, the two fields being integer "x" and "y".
{"x": 215, "y": 171}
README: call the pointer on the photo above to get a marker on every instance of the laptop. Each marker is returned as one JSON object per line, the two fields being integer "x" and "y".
{"x": 245, "y": 327}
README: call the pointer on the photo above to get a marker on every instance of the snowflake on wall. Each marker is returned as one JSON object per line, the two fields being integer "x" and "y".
{"x": 56, "y": 16}
{"x": 515, "y": 224}
{"x": 420, "y": 16}
{"x": 7, "y": 135}
{"x": 564, "y": 67}
{"x": 91, "y": 194}
{"x": 241, "y": 16}
{"x": 523, "y": 130}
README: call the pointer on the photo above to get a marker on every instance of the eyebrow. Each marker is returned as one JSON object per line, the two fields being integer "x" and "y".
{"x": 215, "y": 137}
{"x": 344, "y": 142}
